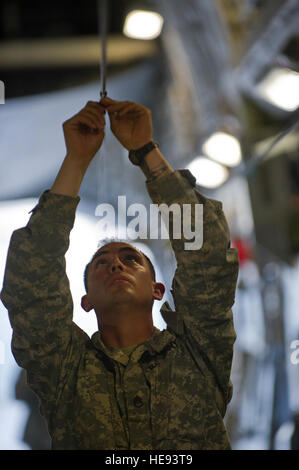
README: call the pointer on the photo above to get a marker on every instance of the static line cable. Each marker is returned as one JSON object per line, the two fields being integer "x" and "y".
{"x": 103, "y": 27}
{"x": 247, "y": 169}
{"x": 292, "y": 123}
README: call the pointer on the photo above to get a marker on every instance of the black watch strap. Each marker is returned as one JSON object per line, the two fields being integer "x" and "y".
{"x": 136, "y": 156}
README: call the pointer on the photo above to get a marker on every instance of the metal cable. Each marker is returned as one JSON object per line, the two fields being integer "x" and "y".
{"x": 103, "y": 27}
{"x": 254, "y": 162}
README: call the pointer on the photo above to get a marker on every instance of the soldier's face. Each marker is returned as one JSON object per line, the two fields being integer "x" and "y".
{"x": 120, "y": 273}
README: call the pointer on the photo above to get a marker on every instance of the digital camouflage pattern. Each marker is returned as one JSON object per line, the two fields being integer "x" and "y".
{"x": 173, "y": 390}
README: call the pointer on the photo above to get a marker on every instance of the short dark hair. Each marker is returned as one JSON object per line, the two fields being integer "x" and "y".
{"x": 114, "y": 240}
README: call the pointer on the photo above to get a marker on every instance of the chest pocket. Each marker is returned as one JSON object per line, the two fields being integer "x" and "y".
{"x": 92, "y": 405}
{"x": 178, "y": 402}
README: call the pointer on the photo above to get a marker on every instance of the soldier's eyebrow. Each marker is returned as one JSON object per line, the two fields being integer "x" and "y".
{"x": 122, "y": 249}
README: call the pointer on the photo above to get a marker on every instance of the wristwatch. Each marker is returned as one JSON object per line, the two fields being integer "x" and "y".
{"x": 136, "y": 156}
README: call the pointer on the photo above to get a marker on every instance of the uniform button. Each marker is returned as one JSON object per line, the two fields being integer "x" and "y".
{"x": 152, "y": 366}
{"x": 138, "y": 402}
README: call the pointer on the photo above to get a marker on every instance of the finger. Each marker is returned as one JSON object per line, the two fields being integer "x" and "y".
{"x": 96, "y": 107}
{"x": 129, "y": 108}
{"x": 128, "y": 113}
{"x": 106, "y": 101}
{"x": 111, "y": 108}
{"x": 99, "y": 118}
{"x": 85, "y": 129}
{"x": 115, "y": 109}
{"x": 96, "y": 112}
{"x": 87, "y": 120}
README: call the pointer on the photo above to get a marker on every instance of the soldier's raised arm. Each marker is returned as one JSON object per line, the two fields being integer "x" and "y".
{"x": 83, "y": 135}
{"x": 36, "y": 289}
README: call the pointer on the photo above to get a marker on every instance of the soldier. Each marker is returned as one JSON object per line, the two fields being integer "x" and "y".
{"x": 129, "y": 386}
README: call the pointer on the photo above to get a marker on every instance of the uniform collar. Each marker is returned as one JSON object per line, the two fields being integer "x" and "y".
{"x": 154, "y": 345}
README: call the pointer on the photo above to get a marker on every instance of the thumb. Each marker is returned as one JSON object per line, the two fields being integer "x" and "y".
{"x": 106, "y": 100}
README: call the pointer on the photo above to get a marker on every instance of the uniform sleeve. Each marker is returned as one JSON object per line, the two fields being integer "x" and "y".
{"x": 204, "y": 284}
{"x": 37, "y": 296}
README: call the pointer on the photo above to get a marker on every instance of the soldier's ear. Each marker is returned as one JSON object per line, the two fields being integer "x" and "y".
{"x": 159, "y": 290}
{"x": 85, "y": 304}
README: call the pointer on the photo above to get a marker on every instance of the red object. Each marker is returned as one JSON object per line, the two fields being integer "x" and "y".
{"x": 244, "y": 249}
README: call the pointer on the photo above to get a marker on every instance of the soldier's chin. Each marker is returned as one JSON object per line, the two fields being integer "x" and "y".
{"x": 118, "y": 292}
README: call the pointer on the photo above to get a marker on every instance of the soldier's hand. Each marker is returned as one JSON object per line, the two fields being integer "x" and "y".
{"x": 131, "y": 123}
{"x": 84, "y": 132}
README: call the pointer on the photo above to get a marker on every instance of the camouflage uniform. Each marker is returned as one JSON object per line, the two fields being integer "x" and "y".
{"x": 171, "y": 392}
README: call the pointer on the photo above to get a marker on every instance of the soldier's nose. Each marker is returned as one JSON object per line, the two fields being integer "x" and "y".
{"x": 116, "y": 265}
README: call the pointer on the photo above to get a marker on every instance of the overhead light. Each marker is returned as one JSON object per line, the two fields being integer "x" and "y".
{"x": 208, "y": 173}
{"x": 281, "y": 88}
{"x": 143, "y": 24}
{"x": 223, "y": 148}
